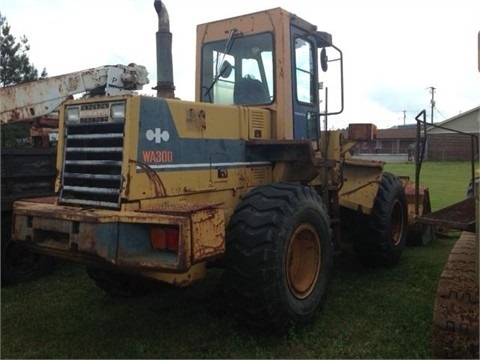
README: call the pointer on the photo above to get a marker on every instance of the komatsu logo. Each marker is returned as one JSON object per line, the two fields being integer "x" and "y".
{"x": 158, "y": 135}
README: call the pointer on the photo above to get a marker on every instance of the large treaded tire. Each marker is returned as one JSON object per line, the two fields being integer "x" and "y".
{"x": 18, "y": 263}
{"x": 382, "y": 237}
{"x": 456, "y": 309}
{"x": 21, "y": 265}
{"x": 279, "y": 256}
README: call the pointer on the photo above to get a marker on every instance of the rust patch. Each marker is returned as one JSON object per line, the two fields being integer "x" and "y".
{"x": 362, "y": 132}
{"x": 42, "y": 200}
{"x": 195, "y": 119}
{"x": 182, "y": 208}
{"x": 208, "y": 230}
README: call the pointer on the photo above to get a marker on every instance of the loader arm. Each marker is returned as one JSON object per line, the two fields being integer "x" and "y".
{"x": 30, "y": 100}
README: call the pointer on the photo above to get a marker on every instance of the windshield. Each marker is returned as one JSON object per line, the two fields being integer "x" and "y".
{"x": 238, "y": 70}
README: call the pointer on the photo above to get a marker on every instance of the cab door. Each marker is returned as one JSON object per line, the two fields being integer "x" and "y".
{"x": 305, "y": 85}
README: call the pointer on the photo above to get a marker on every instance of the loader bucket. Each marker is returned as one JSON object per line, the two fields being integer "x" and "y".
{"x": 418, "y": 233}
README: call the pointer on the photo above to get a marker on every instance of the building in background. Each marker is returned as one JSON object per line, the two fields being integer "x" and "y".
{"x": 445, "y": 145}
{"x": 399, "y": 143}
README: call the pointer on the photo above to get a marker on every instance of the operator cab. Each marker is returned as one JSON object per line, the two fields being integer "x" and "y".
{"x": 270, "y": 59}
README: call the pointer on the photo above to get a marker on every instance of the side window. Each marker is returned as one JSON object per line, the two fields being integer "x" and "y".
{"x": 304, "y": 71}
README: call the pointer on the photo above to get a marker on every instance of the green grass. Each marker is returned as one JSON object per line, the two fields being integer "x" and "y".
{"x": 446, "y": 181}
{"x": 368, "y": 313}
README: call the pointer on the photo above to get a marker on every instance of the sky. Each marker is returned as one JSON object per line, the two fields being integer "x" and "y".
{"x": 394, "y": 50}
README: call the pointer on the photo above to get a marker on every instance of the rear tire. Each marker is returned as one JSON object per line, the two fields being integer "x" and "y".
{"x": 18, "y": 263}
{"x": 384, "y": 232}
{"x": 279, "y": 256}
{"x": 22, "y": 265}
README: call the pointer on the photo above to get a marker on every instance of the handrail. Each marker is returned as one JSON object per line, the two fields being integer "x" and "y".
{"x": 421, "y": 118}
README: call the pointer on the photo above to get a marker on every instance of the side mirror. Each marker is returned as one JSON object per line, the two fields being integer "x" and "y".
{"x": 225, "y": 70}
{"x": 323, "y": 60}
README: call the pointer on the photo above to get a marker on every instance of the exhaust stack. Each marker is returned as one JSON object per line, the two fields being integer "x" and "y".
{"x": 165, "y": 87}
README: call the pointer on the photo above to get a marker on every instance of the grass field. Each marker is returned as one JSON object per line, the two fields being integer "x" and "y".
{"x": 447, "y": 181}
{"x": 368, "y": 313}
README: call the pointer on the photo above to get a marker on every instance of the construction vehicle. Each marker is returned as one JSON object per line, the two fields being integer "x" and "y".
{"x": 29, "y": 127}
{"x": 242, "y": 177}
{"x": 456, "y": 307}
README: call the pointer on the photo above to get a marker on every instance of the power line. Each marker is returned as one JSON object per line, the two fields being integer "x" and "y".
{"x": 444, "y": 118}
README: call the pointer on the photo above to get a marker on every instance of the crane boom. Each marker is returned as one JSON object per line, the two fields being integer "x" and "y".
{"x": 26, "y": 101}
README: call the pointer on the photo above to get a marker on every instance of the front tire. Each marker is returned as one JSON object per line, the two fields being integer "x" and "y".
{"x": 279, "y": 256}
{"x": 382, "y": 236}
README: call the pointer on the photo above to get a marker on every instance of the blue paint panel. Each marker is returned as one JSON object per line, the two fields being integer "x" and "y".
{"x": 299, "y": 124}
{"x": 134, "y": 245}
{"x": 156, "y": 128}
{"x": 106, "y": 235}
{"x": 160, "y": 147}
{"x": 133, "y": 239}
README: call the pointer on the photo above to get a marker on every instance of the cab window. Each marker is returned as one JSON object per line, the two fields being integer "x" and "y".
{"x": 304, "y": 71}
{"x": 238, "y": 70}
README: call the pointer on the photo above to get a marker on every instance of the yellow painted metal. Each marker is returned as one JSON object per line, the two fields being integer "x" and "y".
{"x": 149, "y": 189}
{"x": 360, "y": 184}
{"x": 208, "y": 233}
{"x": 195, "y": 273}
{"x": 201, "y": 228}
{"x": 303, "y": 261}
{"x": 60, "y": 146}
{"x": 205, "y": 120}
{"x": 204, "y": 236}
{"x": 357, "y": 180}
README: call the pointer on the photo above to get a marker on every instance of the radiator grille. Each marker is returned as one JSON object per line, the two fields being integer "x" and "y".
{"x": 92, "y": 164}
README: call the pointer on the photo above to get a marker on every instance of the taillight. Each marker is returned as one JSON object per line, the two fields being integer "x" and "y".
{"x": 165, "y": 238}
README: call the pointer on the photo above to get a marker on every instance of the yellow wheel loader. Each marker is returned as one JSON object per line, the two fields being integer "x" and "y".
{"x": 243, "y": 177}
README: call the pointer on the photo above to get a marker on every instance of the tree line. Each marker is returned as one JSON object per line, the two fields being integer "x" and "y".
{"x": 15, "y": 65}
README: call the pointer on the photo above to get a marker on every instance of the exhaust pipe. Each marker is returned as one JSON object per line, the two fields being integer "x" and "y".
{"x": 165, "y": 87}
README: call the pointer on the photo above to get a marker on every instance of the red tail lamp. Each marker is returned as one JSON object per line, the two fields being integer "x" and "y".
{"x": 165, "y": 238}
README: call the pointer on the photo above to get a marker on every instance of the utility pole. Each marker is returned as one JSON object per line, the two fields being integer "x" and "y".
{"x": 404, "y": 116}
{"x": 432, "y": 102}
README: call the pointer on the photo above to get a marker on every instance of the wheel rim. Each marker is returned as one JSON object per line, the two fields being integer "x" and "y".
{"x": 397, "y": 223}
{"x": 303, "y": 261}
